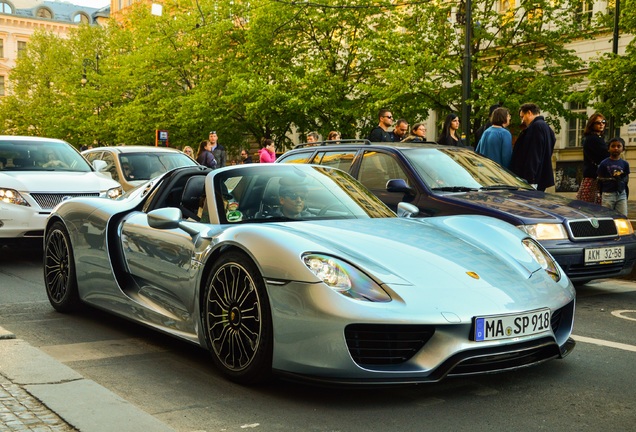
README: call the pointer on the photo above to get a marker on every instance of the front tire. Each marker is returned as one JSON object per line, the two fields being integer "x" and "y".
{"x": 60, "y": 279}
{"x": 237, "y": 319}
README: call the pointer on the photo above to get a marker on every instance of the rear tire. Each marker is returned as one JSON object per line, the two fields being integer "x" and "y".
{"x": 60, "y": 279}
{"x": 237, "y": 320}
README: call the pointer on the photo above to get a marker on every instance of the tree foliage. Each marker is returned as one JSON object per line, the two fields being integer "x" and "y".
{"x": 613, "y": 76}
{"x": 267, "y": 69}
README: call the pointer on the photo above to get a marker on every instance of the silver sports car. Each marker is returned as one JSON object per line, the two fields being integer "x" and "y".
{"x": 298, "y": 270}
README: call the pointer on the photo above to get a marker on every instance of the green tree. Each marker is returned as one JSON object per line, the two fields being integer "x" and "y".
{"x": 612, "y": 76}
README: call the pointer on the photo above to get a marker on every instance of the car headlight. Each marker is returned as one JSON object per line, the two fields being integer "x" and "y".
{"x": 545, "y": 231}
{"x": 623, "y": 227}
{"x": 544, "y": 259}
{"x": 12, "y": 196}
{"x": 115, "y": 193}
{"x": 345, "y": 279}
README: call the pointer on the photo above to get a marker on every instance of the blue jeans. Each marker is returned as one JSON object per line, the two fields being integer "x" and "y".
{"x": 616, "y": 201}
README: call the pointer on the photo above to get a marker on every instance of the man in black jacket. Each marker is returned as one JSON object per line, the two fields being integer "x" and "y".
{"x": 218, "y": 150}
{"x": 532, "y": 152}
{"x": 380, "y": 133}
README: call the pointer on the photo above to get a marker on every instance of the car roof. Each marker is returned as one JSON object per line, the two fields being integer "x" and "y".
{"x": 331, "y": 145}
{"x": 133, "y": 149}
{"x": 28, "y": 138}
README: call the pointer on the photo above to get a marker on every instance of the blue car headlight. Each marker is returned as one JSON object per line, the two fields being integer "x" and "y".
{"x": 345, "y": 279}
{"x": 12, "y": 196}
{"x": 544, "y": 259}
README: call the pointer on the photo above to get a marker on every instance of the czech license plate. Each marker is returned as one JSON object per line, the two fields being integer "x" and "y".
{"x": 510, "y": 326}
{"x": 604, "y": 254}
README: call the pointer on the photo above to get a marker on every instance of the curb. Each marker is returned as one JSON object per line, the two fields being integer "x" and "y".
{"x": 82, "y": 403}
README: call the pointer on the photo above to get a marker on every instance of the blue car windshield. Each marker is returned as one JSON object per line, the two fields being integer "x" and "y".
{"x": 459, "y": 170}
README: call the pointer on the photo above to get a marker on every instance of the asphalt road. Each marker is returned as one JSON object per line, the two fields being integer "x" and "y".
{"x": 592, "y": 389}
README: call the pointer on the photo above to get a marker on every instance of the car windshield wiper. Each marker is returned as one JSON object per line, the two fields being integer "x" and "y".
{"x": 455, "y": 189}
{"x": 499, "y": 187}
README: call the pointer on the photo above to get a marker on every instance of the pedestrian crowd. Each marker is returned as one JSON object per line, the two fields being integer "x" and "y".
{"x": 605, "y": 173}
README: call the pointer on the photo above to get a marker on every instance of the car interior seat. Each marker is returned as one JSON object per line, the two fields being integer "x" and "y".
{"x": 193, "y": 192}
{"x": 270, "y": 203}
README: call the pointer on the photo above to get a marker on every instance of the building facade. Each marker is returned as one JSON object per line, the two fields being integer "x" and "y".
{"x": 19, "y": 19}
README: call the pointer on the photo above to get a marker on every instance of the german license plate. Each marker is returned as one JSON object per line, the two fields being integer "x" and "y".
{"x": 511, "y": 326}
{"x": 604, "y": 254}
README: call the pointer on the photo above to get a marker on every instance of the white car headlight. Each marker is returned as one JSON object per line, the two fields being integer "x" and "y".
{"x": 545, "y": 231}
{"x": 115, "y": 193}
{"x": 345, "y": 279}
{"x": 12, "y": 196}
{"x": 544, "y": 259}
{"x": 623, "y": 227}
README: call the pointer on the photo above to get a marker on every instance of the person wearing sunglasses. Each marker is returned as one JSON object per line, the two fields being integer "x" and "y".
{"x": 245, "y": 157}
{"x": 380, "y": 133}
{"x": 188, "y": 150}
{"x": 292, "y": 201}
{"x": 594, "y": 152}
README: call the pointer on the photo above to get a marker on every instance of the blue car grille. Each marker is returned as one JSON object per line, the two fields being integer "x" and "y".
{"x": 585, "y": 229}
{"x": 48, "y": 200}
{"x": 384, "y": 344}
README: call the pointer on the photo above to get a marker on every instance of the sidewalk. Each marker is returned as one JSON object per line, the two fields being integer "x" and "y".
{"x": 38, "y": 393}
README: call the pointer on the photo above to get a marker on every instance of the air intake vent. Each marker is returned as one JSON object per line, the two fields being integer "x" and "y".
{"x": 384, "y": 344}
{"x": 48, "y": 201}
{"x": 585, "y": 229}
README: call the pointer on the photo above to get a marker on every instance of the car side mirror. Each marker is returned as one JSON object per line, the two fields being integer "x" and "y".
{"x": 399, "y": 185}
{"x": 407, "y": 210}
{"x": 99, "y": 165}
{"x": 169, "y": 218}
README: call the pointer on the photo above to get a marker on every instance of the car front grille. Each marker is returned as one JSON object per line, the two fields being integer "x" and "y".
{"x": 584, "y": 229}
{"x": 384, "y": 344}
{"x": 47, "y": 201}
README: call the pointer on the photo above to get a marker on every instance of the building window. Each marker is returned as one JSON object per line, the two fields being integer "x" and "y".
{"x": 6, "y": 8}
{"x": 44, "y": 13}
{"x": 1, "y": 48}
{"x": 576, "y": 126}
{"x": 583, "y": 13}
{"x": 81, "y": 18}
{"x": 1, "y": 85}
{"x": 22, "y": 45}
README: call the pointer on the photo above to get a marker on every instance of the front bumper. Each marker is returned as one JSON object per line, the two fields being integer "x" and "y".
{"x": 21, "y": 222}
{"x": 571, "y": 258}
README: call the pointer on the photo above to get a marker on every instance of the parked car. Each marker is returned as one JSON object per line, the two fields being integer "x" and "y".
{"x": 36, "y": 174}
{"x": 299, "y": 270}
{"x": 134, "y": 165}
{"x": 588, "y": 241}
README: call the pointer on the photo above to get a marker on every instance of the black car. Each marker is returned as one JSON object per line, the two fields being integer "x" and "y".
{"x": 587, "y": 240}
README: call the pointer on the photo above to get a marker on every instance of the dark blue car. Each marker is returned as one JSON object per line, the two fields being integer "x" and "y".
{"x": 587, "y": 240}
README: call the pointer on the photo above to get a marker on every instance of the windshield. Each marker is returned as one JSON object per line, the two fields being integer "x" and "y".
{"x": 151, "y": 164}
{"x": 291, "y": 192}
{"x": 458, "y": 170}
{"x": 21, "y": 155}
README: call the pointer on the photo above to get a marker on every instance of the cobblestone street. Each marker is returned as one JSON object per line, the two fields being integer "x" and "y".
{"x": 19, "y": 411}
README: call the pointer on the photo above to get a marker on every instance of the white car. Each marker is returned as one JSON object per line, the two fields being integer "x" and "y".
{"x": 135, "y": 165}
{"x": 36, "y": 174}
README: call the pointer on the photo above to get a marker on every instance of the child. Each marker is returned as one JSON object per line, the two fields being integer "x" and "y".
{"x": 613, "y": 174}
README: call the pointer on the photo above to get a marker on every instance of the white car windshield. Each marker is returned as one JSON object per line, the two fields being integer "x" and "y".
{"x": 23, "y": 155}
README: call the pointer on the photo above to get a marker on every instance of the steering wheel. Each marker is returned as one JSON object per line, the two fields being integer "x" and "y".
{"x": 331, "y": 206}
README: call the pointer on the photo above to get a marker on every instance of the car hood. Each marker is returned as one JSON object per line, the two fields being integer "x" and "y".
{"x": 56, "y": 181}
{"x": 532, "y": 206}
{"x": 477, "y": 259}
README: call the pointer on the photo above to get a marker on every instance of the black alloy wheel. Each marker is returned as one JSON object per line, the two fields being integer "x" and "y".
{"x": 237, "y": 319}
{"x": 59, "y": 270}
